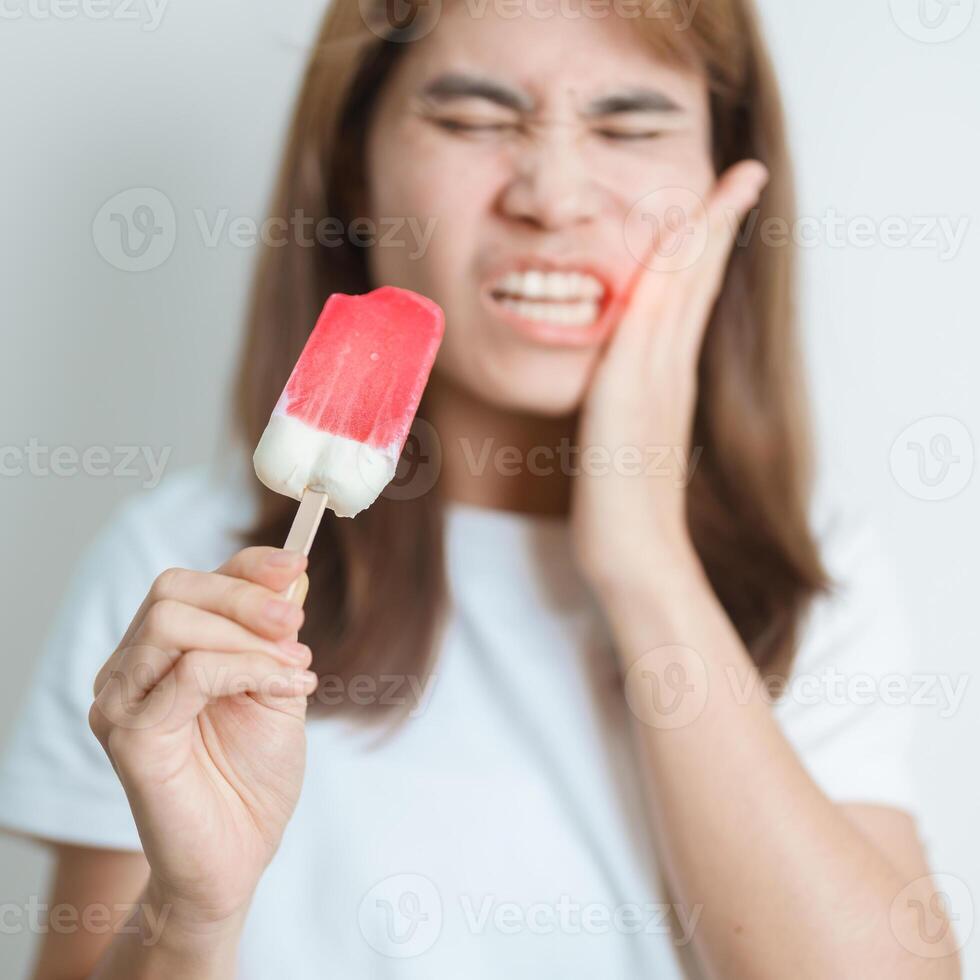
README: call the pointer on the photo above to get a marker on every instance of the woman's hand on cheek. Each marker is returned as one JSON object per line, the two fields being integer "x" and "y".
{"x": 628, "y": 501}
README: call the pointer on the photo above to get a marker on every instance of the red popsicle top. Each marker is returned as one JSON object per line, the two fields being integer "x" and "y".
{"x": 363, "y": 370}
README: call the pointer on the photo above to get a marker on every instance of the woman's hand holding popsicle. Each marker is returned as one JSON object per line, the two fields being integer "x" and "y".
{"x": 201, "y": 710}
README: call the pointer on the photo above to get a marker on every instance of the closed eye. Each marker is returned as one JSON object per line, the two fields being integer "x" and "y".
{"x": 458, "y": 126}
{"x": 625, "y": 135}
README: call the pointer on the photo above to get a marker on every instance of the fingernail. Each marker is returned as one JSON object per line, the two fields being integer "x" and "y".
{"x": 282, "y": 612}
{"x": 304, "y": 679}
{"x": 297, "y": 652}
{"x": 284, "y": 559}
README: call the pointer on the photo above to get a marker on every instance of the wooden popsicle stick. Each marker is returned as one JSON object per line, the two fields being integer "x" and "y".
{"x": 305, "y": 524}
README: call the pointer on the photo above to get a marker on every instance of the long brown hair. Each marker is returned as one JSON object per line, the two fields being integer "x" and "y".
{"x": 377, "y": 582}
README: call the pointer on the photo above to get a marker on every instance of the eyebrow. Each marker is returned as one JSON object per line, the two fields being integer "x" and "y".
{"x": 454, "y": 85}
{"x": 633, "y": 100}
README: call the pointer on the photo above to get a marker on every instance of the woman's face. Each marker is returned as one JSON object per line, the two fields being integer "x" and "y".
{"x": 522, "y": 144}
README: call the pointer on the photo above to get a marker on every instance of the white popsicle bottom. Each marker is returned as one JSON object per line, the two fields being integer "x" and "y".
{"x": 292, "y": 456}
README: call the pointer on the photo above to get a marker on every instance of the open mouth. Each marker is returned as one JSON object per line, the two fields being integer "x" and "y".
{"x": 563, "y": 299}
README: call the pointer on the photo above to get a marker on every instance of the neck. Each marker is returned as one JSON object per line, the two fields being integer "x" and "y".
{"x": 495, "y": 458}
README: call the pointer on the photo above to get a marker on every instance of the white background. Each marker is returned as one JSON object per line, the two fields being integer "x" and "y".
{"x": 884, "y": 124}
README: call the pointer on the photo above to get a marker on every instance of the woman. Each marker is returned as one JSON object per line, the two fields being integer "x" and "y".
{"x": 538, "y": 738}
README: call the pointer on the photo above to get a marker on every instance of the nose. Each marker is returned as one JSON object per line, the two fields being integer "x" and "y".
{"x": 549, "y": 186}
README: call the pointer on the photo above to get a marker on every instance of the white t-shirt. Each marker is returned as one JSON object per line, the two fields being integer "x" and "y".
{"x": 501, "y": 832}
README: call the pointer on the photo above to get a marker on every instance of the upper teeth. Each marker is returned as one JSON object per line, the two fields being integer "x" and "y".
{"x": 536, "y": 284}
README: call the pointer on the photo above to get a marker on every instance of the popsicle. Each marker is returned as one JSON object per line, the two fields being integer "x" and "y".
{"x": 339, "y": 427}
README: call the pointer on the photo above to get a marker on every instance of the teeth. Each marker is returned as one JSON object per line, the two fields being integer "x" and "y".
{"x": 578, "y": 314}
{"x": 538, "y": 285}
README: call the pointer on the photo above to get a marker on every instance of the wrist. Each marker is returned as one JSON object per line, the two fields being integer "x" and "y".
{"x": 651, "y": 573}
{"x": 655, "y": 604}
{"x": 186, "y": 929}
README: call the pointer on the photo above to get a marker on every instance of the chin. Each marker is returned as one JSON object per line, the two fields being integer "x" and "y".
{"x": 541, "y": 387}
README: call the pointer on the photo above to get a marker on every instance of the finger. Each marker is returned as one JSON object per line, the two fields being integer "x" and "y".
{"x": 667, "y": 303}
{"x": 171, "y": 627}
{"x": 255, "y": 607}
{"x": 273, "y": 568}
{"x": 197, "y": 678}
{"x": 301, "y": 591}
{"x": 649, "y": 298}
{"x": 203, "y": 675}
{"x": 736, "y": 192}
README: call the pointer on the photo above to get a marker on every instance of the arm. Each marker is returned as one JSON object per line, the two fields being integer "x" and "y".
{"x": 804, "y": 887}
{"x": 210, "y": 659}
{"x": 116, "y": 928}
{"x": 84, "y": 880}
{"x": 787, "y": 883}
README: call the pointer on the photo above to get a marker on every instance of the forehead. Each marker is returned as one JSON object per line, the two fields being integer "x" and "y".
{"x": 554, "y": 50}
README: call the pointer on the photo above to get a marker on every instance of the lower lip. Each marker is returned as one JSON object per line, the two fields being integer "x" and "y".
{"x": 555, "y": 334}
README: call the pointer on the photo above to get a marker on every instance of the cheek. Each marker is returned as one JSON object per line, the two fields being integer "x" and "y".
{"x": 417, "y": 173}
{"x": 683, "y": 165}
{"x": 445, "y": 188}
